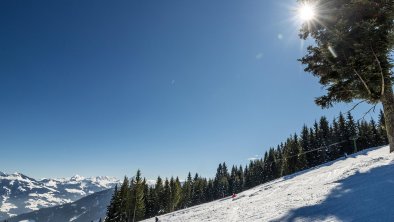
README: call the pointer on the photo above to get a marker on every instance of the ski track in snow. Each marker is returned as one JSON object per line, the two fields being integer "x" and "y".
{"x": 279, "y": 199}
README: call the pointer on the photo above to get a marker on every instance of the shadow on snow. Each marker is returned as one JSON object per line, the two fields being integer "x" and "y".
{"x": 365, "y": 196}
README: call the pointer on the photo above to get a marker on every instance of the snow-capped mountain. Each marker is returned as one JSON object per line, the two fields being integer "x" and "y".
{"x": 87, "y": 209}
{"x": 357, "y": 188}
{"x": 21, "y": 194}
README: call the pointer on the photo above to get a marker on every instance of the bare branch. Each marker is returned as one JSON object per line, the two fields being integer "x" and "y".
{"x": 372, "y": 108}
{"x": 362, "y": 80}
{"x": 381, "y": 71}
{"x": 362, "y": 101}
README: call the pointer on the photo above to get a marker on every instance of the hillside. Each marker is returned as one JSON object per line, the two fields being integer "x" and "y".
{"x": 357, "y": 188}
{"x": 22, "y": 194}
{"x": 90, "y": 208}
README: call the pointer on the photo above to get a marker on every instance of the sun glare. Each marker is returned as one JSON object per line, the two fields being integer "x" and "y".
{"x": 307, "y": 12}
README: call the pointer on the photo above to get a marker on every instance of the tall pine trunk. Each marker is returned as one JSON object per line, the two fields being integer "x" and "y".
{"x": 388, "y": 108}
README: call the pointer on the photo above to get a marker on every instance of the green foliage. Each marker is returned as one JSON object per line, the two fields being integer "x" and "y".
{"x": 351, "y": 54}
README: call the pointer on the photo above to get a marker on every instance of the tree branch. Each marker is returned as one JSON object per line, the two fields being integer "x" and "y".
{"x": 381, "y": 71}
{"x": 362, "y": 101}
{"x": 372, "y": 108}
{"x": 362, "y": 80}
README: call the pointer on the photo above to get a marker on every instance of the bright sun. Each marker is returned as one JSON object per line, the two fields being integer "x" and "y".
{"x": 307, "y": 12}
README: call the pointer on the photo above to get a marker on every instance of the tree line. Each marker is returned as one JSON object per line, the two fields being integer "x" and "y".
{"x": 135, "y": 200}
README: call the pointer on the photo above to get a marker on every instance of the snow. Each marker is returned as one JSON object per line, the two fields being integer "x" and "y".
{"x": 44, "y": 200}
{"x": 76, "y": 217}
{"x": 81, "y": 192}
{"x": 51, "y": 183}
{"x": 77, "y": 178}
{"x": 6, "y": 207}
{"x": 21, "y": 194}
{"x": 357, "y": 188}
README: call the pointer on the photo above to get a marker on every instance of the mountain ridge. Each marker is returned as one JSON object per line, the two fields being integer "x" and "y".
{"x": 20, "y": 193}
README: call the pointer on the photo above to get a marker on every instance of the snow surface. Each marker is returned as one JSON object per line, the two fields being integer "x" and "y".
{"x": 357, "y": 188}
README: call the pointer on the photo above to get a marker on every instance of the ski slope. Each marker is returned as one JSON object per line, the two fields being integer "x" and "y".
{"x": 357, "y": 188}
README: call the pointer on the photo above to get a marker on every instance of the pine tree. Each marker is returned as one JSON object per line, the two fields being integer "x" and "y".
{"x": 175, "y": 186}
{"x": 382, "y": 128}
{"x": 365, "y": 139}
{"x": 159, "y": 192}
{"x": 302, "y": 163}
{"x": 351, "y": 130}
{"x": 247, "y": 179}
{"x": 351, "y": 53}
{"x": 210, "y": 194}
{"x": 112, "y": 209}
{"x": 221, "y": 184}
{"x": 138, "y": 195}
{"x": 335, "y": 138}
{"x": 324, "y": 135}
{"x": 375, "y": 137}
{"x": 124, "y": 201}
{"x": 167, "y": 200}
{"x": 344, "y": 136}
{"x": 305, "y": 144}
{"x": 290, "y": 156}
{"x": 317, "y": 143}
{"x": 150, "y": 201}
{"x": 272, "y": 165}
{"x": 187, "y": 192}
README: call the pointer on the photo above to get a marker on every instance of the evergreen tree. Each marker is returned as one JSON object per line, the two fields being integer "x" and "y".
{"x": 150, "y": 201}
{"x": 187, "y": 192}
{"x": 375, "y": 137}
{"x": 139, "y": 202}
{"x": 324, "y": 136}
{"x": 221, "y": 184}
{"x": 382, "y": 128}
{"x": 159, "y": 192}
{"x": 175, "y": 186}
{"x": 365, "y": 139}
{"x": 112, "y": 209}
{"x": 351, "y": 53}
{"x": 167, "y": 201}
{"x": 344, "y": 136}
{"x": 291, "y": 152}
{"x": 210, "y": 194}
{"x": 351, "y": 130}
{"x": 335, "y": 138}
{"x": 306, "y": 144}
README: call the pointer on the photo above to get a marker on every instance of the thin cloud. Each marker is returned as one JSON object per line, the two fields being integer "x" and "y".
{"x": 255, "y": 157}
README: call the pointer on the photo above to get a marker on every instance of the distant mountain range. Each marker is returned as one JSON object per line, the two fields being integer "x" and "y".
{"x": 87, "y": 209}
{"x": 21, "y": 194}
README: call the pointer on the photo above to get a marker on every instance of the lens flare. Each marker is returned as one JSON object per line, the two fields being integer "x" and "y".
{"x": 307, "y": 12}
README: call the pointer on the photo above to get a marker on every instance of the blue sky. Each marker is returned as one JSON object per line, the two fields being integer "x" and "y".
{"x": 105, "y": 87}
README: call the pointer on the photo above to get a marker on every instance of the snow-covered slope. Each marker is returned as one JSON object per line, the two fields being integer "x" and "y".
{"x": 358, "y": 188}
{"x": 21, "y": 194}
